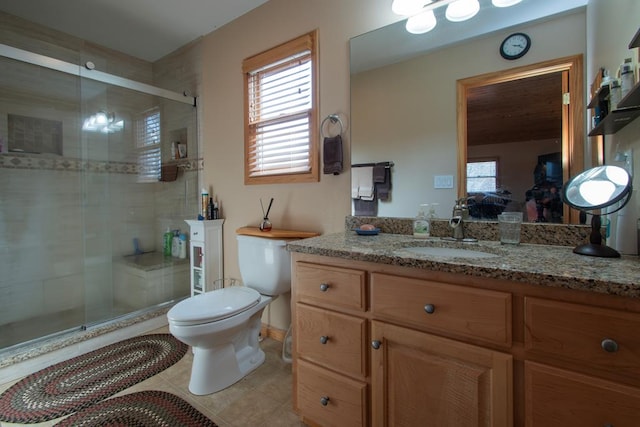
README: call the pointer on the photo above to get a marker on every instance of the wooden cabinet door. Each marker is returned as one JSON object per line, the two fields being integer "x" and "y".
{"x": 559, "y": 398}
{"x": 419, "y": 379}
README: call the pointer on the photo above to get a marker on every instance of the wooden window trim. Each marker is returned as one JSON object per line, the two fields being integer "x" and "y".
{"x": 306, "y": 41}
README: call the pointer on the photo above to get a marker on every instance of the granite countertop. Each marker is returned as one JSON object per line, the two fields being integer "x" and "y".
{"x": 544, "y": 265}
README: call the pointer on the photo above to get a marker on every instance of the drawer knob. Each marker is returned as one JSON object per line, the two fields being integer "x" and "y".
{"x": 609, "y": 345}
{"x": 324, "y": 339}
{"x": 376, "y": 344}
{"x": 324, "y": 400}
{"x": 430, "y": 308}
{"x": 324, "y": 287}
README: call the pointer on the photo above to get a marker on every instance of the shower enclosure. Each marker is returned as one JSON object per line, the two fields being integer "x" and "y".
{"x": 94, "y": 168}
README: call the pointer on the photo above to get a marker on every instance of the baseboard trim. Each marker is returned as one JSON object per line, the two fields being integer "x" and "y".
{"x": 273, "y": 333}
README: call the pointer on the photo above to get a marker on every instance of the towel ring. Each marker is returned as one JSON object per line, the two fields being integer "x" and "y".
{"x": 333, "y": 118}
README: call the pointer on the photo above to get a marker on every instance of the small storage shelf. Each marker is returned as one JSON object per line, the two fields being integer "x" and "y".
{"x": 628, "y": 108}
{"x": 206, "y": 260}
{"x": 615, "y": 120}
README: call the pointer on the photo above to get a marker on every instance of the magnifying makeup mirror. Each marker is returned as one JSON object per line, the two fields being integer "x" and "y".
{"x": 592, "y": 190}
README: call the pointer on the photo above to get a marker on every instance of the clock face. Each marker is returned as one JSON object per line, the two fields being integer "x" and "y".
{"x": 515, "y": 46}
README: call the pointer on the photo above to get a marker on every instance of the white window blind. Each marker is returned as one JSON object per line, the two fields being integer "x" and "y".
{"x": 280, "y": 113}
{"x": 279, "y": 116}
{"x": 148, "y": 146}
{"x": 482, "y": 176}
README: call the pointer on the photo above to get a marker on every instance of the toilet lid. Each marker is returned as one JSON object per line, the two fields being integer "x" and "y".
{"x": 214, "y": 305}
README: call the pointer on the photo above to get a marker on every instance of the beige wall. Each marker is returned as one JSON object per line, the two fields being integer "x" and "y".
{"x": 321, "y": 206}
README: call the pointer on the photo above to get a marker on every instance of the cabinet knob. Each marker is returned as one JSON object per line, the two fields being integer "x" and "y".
{"x": 324, "y": 287}
{"x": 376, "y": 344}
{"x": 324, "y": 400}
{"x": 324, "y": 339}
{"x": 429, "y": 308}
{"x": 609, "y": 345}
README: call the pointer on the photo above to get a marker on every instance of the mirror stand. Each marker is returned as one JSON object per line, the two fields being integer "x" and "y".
{"x": 595, "y": 246}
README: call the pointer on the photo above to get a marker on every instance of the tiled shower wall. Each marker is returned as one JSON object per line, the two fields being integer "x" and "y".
{"x": 63, "y": 218}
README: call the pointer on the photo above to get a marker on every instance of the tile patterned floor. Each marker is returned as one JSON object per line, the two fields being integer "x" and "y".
{"x": 262, "y": 398}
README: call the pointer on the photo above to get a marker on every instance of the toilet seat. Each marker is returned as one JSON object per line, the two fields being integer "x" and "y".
{"x": 214, "y": 305}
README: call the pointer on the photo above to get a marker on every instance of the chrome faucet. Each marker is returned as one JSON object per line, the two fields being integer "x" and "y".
{"x": 457, "y": 224}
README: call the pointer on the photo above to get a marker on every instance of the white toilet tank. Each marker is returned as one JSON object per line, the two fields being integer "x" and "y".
{"x": 265, "y": 264}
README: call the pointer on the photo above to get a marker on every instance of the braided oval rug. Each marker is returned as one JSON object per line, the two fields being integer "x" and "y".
{"x": 78, "y": 383}
{"x": 144, "y": 408}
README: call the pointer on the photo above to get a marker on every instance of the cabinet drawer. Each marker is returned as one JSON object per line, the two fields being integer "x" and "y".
{"x": 329, "y": 399}
{"x": 196, "y": 232}
{"x": 591, "y": 338}
{"x": 330, "y": 286}
{"x": 331, "y": 339}
{"x": 557, "y": 398}
{"x": 479, "y": 314}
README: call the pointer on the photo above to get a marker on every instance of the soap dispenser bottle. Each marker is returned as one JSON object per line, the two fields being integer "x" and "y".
{"x": 421, "y": 225}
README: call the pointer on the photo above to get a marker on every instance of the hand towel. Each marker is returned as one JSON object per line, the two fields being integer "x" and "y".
{"x": 362, "y": 178}
{"x": 382, "y": 180}
{"x": 365, "y": 207}
{"x": 332, "y": 154}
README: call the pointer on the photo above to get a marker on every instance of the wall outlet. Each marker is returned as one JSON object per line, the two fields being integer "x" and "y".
{"x": 443, "y": 181}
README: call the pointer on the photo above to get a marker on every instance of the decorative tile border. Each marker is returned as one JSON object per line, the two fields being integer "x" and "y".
{"x": 56, "y": 163}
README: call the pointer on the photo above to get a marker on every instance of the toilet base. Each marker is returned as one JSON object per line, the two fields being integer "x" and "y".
{"x": 217, "y": 368}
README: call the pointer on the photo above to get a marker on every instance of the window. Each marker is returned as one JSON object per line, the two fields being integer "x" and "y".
{"x": 281, "y": 113}
{"x": 148, "y": 146}
{"x": 482, "y": 175}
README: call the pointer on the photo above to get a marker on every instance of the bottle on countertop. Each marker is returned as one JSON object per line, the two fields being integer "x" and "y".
{"x": 167, "y": 242}
{"x": 627, "y": 78}
{"x": 216, "y": 211}
{"x": 182, "y": 242}
{"x": 421, "y": 225}
{"x": 210, "y": 207}
{"x": 175, "y": 246}
{"x": 615, "y": 94}
{"x": 204, "y": 202}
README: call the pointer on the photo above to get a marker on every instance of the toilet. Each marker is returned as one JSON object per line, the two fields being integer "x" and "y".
{"x": 223, "y": 326}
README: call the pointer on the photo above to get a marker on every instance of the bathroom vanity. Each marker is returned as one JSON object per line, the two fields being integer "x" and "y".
{"x": 532, "y": 335}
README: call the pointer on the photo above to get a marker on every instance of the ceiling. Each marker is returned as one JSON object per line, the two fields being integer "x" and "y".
{"x": 146, "y": 29}
{"x": 497, "y": 115}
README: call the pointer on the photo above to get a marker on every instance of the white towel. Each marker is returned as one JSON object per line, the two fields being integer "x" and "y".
{"x": 362, "y": 183}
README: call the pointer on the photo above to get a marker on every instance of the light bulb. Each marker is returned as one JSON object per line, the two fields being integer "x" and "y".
{"x": 597, "y": 193}
{"x": 408, "y": 7}
{"x": 101, "y": 118}
{"x": 504, "y": 3}
{"x": 461, "y": 10}
{"x": 422, "y": 22}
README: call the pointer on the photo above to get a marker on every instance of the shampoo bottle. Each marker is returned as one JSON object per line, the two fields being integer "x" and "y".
{"x": 175, "y": 246}
{"x": 204, "y": 195}
{"x": 183, "y": 245}
{"x": 167, "y": 242}
{"x": 421, "y": 226}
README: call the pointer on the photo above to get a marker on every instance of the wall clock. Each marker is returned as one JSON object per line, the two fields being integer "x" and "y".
{"x": 515, "y": 46}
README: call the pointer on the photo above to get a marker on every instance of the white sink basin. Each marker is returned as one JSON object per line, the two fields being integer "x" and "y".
{"x": 450, "y": 252}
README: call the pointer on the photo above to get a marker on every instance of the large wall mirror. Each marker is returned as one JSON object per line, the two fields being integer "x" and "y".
{"x": 405, "y": 109}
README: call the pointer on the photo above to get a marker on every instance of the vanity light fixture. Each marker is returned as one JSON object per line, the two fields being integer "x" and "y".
{"x": 421, "y": 18}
